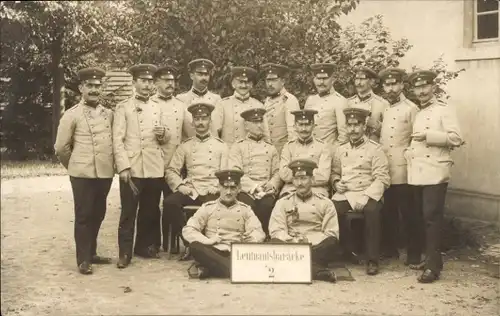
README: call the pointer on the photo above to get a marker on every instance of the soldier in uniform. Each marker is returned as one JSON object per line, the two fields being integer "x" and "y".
{"x": 435, "y": 133}
{"x": 306, "y": 146}
{"x": 138, "y": 137}
{"x": 259, "y": 160}
{"x": 173, "y": 116}
{"x": 360, "y": 175}
{"x": 242, "y": 81}
{"x": 330, "y": 121}
{"x": 364, "y": 79}
{"x": 395, "y": 137}
{"x": 217, "y": 224}
{"x": 279, "y": 105}
{"x": 200, "y": 71}
{"x": 84, "y": 148}
{"x": 202, "y": 156}
{"x": 307, "y": 217}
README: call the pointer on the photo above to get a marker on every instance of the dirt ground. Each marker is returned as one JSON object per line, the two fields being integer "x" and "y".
{"x": 39, "y": 275}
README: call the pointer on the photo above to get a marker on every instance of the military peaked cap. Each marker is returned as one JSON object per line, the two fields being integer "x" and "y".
{"x": 93, "y": 73}
{"x": 253, "y": 115}
{"x": 422, "y": 77}
{"x": 145, "y": 71}
{"x": 230, "y": 177}
{"x": 302, "y": 167}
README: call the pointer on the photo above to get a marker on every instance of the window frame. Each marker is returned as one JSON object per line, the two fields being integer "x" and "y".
{"x": 475, "y": 38}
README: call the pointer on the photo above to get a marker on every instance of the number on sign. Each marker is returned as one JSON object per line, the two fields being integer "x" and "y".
{"x": 271, "y": 272}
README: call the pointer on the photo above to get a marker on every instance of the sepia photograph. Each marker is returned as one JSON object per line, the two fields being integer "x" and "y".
{"x": 250, "y": 157}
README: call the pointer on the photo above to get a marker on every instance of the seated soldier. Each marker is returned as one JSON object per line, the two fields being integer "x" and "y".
{"x": 305, "y": 146}
{"x": 307, "y": 217}
{"x": 360, "y": 175}
{"x": 259, "y": 161}
{"x": 217, "y": 224}
{"x": 202, "y": 156}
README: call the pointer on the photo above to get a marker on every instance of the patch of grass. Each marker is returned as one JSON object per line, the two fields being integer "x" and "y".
{"x": 29, "y": 169}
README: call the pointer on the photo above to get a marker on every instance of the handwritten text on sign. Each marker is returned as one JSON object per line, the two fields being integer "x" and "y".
{"x": 270, "y": 263}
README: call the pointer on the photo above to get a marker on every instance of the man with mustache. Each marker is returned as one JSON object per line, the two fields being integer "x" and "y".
{"x": 201, "y": 156}
{"x": 138, "y": 137}
{"x": 217, "y": 224}
{"x": 242, "y": 81}
{"x": 307, "y": 217}
{"x": 395, "y": 137}
{"x": 436, "y": 133}
{"x": 330, "y": 121}
{"x": 279, "y": 105}
{"x": 306, "y": 146}
{"x": 200, "y": 71}
{"x": 259, "y": 160}
{"x": 84, "y": 148}
{"x": 360, "y": 175}
{"x": 364, "y": 79}
{"x": 173, "y": 116}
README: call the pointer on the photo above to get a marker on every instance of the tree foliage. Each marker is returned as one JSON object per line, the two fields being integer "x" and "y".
{"x": 117, "y": 34}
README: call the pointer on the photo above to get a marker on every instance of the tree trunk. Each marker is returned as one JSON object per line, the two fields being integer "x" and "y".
{"x": 57, "y": 86}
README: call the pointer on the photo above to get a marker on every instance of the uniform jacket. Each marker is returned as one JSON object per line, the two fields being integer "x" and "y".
{"x": 134, "y": 143}
{"x": 429, "y": 161}
{"x": 363, "y": 168}
{"x": 173, "y": 116}
{"x": 330, "y": 120}
{"x": 202, "y": 158}
{"x": 376, "y": 105}
{"x": 189, "y": 97}
{"x": 395, "y": 136}
{"x": 236, "y": 223}
{"x": 233, "y": 128}
{"x": 280, "y": 119}
{"x": 84, "y": 144}
{"x": 314, "y": 150}
{"x": 259, "y": 160}
{"x": 315, "y": 218}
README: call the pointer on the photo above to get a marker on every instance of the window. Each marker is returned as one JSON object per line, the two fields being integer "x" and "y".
{"x": 487, "y": 20}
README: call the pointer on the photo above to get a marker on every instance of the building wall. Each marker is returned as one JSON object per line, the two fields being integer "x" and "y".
{"x": 443, "y": 28}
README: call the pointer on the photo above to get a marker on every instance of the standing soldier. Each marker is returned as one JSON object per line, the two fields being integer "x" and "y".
{"x": 395, "y": 137}
{"x": 305, "y": 216}
{"x": 364, "y": 79}
{"x": 435, "y": 134}
{"x": 360, "y": 175}
{"x": 217, "y": 224}
{"x": 138, "y": 138}
{"x": 330, "y": 121}
{"x": 242, "y": 81}
{"x": 173, "y": 117}
{"x": 84, "y": 147}
{"x": 200, "y": 71}
{"x": 202, "y": 156}
{"x": 259, "y": 160}
{"x": 306, "y": 146}
{"x": 279, "y": 105}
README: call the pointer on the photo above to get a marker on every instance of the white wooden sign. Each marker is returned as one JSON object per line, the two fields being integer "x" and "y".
{"x": 271, "y": 263}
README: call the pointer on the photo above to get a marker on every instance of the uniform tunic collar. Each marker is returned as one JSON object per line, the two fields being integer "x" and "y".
{"x": 324, "y": 94}
{"x": 255, "y": 138}
{"x": 203, "y": 137}
{"x": 240, "y": 97}
{"x": 365, "y": 97}
{"x": 227, "y": 204}
{"x": 428, "y": 103}
{"x": 306, "y": 197}
{"x": 305, "y": 141}
{"x": 199, "y": 93}
{"x": 141, "y": 98}
{"x": 401, "y": 97}
{"x": 277, "y": 95}
{"x": 93, "y": 105}
{"x": 358, "y": 143}
{"x": 164, "y": 98}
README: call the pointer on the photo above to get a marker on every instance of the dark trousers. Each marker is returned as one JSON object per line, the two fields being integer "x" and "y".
{"x": 174, "y": 203}
{"x": 89, "y": 196}
{"x": 166, "y": 222}
{"x": 429, "y": 203}
{"x": 216, "y": 261}
{"x": 371, "y": 229}
{"x": 261, "y": 207}
{"x": 148, "y": 215}
{"x": 398, "y": 199}
{"x": 321, "y": 253}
